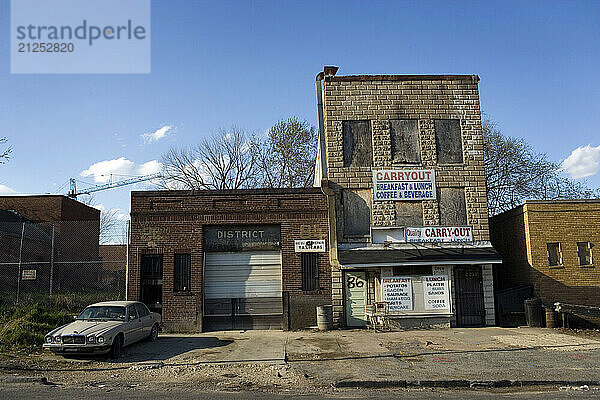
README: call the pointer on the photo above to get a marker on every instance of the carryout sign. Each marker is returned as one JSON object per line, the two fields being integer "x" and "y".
{"x": 404, "y": 184}
{"x": 440, "y": 234}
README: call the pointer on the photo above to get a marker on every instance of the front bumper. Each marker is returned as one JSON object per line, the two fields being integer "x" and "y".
{"x": 77, "y": 348}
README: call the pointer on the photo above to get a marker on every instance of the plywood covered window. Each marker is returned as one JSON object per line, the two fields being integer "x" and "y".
{"x": 453, "y": 207}
{"x": 357, "y": 143}
{"x": 448, "y": 140}
{"x": 404, "y": 135}
{"x": 357, "y": 212}
{"x": 409, "y": 213}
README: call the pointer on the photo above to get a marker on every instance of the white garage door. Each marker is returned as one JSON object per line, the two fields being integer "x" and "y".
{"x": 242, "y": 274}
{"x": 242, "y": 290}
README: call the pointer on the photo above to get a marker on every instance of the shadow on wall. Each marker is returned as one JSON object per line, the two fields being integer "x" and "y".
{"x": 550, "y": 291}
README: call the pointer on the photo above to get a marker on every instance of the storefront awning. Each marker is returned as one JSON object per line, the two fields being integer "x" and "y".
{"x": 418, "y": 254}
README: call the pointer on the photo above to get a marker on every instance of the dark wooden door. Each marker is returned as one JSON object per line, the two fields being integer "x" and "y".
{"x": 470, "y": 309}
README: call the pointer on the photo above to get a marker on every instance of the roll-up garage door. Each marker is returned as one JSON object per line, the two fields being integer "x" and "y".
{"x": 242, "y": 290}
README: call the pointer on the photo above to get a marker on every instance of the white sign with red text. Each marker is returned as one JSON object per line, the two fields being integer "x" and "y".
{"x": 439, "y": 234}
{"x": 404, "y": 184}
{"x": 435, "y": 292}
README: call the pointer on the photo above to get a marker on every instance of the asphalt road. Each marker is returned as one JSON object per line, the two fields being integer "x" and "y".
{"x": 23, "y": 391}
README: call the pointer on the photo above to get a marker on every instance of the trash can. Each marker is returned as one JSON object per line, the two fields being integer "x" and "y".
{"x": 325, "y": 318}
{"x": 534, "y": 313}
{"x": 550, "y": 317}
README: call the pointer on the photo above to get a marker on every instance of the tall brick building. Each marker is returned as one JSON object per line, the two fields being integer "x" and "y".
{"x": 401, "y": 160}
{"x": 235, "y": 259}
{"x": 551, "y": 245}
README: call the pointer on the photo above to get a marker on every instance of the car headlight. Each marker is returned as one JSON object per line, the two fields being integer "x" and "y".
{"x": 57, "y": 339}
{"x": 100, "y": 339}
{"x": 48, "y": 339}
{"x": 91, "y": 339}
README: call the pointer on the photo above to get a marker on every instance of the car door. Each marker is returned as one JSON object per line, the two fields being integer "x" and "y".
{"x": 146, "y": 320}
{"x": 132, "y": 326}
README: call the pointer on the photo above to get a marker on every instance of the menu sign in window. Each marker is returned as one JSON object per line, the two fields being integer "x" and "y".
{"x": 397, "y": 293}
{"x": 436, "y": 292}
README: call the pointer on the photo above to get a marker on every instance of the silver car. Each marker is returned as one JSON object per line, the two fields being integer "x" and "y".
{"x": 103, "y": 328}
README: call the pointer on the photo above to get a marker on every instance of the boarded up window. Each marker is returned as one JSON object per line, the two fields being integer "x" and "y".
{"x": 584, "y": 253}
{"x": 453, "y": 209}
{"x": 448, "y": 141}
{"x": 404, "y": 134}
{"x": 409, "y": 213}
{"x": 357, "y": 142}
{"x": 357, "y": 213}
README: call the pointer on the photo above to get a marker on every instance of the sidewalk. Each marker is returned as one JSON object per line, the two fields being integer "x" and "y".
{"x": 305, "y": 360}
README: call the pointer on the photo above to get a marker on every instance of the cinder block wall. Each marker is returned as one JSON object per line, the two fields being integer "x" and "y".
{"x": 167, "y": 223}
{"x": 566, "y": 222}
{"x": 380, "y": 99}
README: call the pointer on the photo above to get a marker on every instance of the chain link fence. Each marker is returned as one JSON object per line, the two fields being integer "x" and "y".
{"x": 83, "y": 259}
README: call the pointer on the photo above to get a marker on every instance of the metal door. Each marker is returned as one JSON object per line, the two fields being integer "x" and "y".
{"x": 242, "y": 290}
{"x": 151, "y": 281}
{"x": 470, "y": 309}
{"x": 355, "y": 285}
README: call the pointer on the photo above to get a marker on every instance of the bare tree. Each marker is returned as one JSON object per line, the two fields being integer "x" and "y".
{"x": 112, "y": 229}
{"x": 515, "y": 172}
{"x": 225, "y": 160}
{"x": 286, "y": 158}
{"x": 4, "y": 154}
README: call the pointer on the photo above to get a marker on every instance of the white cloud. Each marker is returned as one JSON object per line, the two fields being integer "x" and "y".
{"x": 583, "y": 161}
{"x": 6, "y": 190}
{"x": 158, "y": 134}
{"x": 121, "y": 167}
{"x": 101, "y": 170}
{"x": 150, "y": 167}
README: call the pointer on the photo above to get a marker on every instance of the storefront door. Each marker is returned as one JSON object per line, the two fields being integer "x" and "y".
{"x": 470, "y": 309}
{"x": 356, "y": 298}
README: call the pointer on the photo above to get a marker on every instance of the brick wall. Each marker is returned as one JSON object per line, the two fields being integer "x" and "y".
{"x": 46, "y": 208}
{"x": 172, "y": 222}
{"x": 380, "y": 99}
{"x": 526, "y": 231}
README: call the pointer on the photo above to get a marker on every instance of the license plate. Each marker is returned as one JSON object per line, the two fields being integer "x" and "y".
{"x": 68, "y": 349}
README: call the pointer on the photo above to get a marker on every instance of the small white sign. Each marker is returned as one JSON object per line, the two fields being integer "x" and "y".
{"x": 439, "y": 234}
{"x": 309, "y": 246}
{"x": 397, "y": 293}
{"x": 404, "y": 184}
{"x": 28, "y": 274}
{"x": 436, "y": 293}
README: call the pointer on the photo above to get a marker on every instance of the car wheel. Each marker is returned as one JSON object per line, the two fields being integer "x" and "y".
{"x": 153, "y": 333}
{"x": 115, "y": 349}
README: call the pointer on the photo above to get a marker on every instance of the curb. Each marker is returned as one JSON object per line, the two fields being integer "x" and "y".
{"x": 459, "y": 383}
{"x": 23, "y": 379}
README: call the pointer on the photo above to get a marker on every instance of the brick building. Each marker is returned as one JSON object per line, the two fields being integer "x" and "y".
{"x": 401, "y": 158}
{"x": 552, "y": 246}
{"x": 235, "y": 259}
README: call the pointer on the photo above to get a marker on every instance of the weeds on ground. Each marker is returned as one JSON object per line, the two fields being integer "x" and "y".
{"x": 23, "y": 326}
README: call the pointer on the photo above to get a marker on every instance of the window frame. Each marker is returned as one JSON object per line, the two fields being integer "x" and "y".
{"x": 181, "y": 276}
{"x": 559, "y": 254}
{"x": 588, "y": 246}
{"x": 309, "y": 265}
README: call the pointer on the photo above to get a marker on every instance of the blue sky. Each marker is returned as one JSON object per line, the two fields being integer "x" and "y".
{"x": 250, "y": 63}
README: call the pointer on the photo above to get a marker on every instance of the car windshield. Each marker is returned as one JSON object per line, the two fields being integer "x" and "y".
{"x": 103, "y": 312}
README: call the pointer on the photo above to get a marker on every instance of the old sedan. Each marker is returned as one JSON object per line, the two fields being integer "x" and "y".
{"x": 105, "y": 327}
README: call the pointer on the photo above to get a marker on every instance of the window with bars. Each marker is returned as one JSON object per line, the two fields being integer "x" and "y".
{"x": 310, "y": 271}
{"x": 182, "y": 272}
